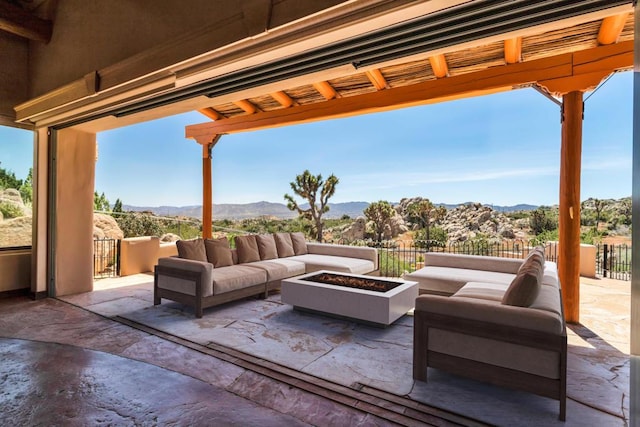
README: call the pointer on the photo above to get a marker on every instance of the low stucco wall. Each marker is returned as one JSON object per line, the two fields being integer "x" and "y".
{"x": 15, "y": 268}
{"x": 588, "y": 255}
{"x": 140, "y": 254}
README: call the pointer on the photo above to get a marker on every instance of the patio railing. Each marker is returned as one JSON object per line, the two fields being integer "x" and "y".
{"x": 613, "y": 261}
{"x": 106, "y": 258}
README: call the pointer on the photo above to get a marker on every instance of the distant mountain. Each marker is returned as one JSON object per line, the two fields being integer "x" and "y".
{"x": 514, "y": 208}
{"x": 250, "y": 210}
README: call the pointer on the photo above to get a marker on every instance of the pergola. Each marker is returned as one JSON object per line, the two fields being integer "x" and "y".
{"x": 562, "y": 59}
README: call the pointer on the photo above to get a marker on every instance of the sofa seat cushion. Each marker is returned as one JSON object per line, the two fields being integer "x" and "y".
{"x": 315, "y": 262}
{"x": 498, "y": 353}
{"x": 481, "y": 290}
{"x": 449, "y": 280}
{"x": 278, "y": 269}
{"x": 227, "y": 279}
{"x": 548, "y": 300}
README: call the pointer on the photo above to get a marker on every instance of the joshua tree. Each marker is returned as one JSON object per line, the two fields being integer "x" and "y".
{"x": 380, "y": 213}
{"x": 425, "y": 213}
{"x": 307, "y": 186}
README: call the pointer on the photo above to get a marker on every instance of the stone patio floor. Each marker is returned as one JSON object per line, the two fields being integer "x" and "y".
{"x": 111, "y": 357}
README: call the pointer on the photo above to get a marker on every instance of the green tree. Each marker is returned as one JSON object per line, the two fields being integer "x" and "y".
{"x": 26, "y": 189}
{"x": 8, "y": 179}
{"x": 425, "y": 213}
{"x": 542, "y": 220}
{"x": 100, "y": 202}
{"x": 117, "y": 206}
{"x": 307, "y": 186}
{"x": 599, "y": 206}
{"x": 625, "y": 211}
{"x": 380, "y": 213}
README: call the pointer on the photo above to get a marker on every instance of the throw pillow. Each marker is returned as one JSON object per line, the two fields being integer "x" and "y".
{"x": 524, "y": 288}
{"x": 247, "y": 249}
{"x": 284, "y": 245}
{"x": 192, "y": 249}
{"x": 218, "y": 252}
{"x": 267, "y": 246}
{"x": 299, "y": 243}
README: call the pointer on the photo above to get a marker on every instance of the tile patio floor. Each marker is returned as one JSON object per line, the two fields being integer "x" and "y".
{"x": 258, "y": 362}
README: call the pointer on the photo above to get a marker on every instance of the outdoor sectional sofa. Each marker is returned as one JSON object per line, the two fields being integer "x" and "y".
{"x": 208, "y": 272}
{"x": 492, "y": 319}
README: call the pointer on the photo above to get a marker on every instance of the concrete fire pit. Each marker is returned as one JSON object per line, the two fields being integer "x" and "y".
{"x": 381, "y": 308}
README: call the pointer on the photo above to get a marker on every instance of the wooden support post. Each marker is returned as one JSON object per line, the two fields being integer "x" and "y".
{"x": 207, "y": 198}
{"x": 569, "y": 216}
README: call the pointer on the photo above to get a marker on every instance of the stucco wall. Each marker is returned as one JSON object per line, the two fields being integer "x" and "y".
{"x": 14, "y": 55}
{"x": 75, "y": 185}
{"x": 90, "y": 35}
{"x": 15, "y": 270}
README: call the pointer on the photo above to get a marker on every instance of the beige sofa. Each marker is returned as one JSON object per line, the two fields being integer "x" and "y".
{"x": 207, "y": 282}
{"x": 467, "y": 322}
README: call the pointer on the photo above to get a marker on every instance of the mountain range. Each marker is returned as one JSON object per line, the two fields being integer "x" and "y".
{"x": 280, "y": 210}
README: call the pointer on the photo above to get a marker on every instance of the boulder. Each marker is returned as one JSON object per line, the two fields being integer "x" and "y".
{"x": 11, "y": 195}
{"x": 355, "y": 231}
{"x": 16, "y": 232}
{"x": 106, "y": 227}
{"x": 170, "y": 237}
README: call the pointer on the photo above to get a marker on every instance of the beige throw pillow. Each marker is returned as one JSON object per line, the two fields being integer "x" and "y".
{"x": 524, "y": 288}
{"x": 218, "y": 252}
{"x": 299, "y": 243}
{"x": 284, "y": 245}
{"x": 192, "y": 249}
{"x": 267, "y": 246}
{"x": 247, "y": 249}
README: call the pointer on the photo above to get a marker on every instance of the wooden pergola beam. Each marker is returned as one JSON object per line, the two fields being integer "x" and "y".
{"x": 609, "y": 58}
{"x": 15, "y": 20}
{"x": 326, "y": 90}
{"x": 513, "y": 50}
{"x": 611, "y": 28}
{"x": 377, "y": 79}
{"x": 211, "y": 113}
{"x": 247, "y": 106}
{"x": 283, "y": 99}
{"x": 439, "y": 65}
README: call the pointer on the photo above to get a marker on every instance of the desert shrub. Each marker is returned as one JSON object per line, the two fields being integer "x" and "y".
{"x": 542, "y": 219}
{"x": 438, "y": 238}
{"x": 10, "y": 210}
{"x": 138, "y": 224}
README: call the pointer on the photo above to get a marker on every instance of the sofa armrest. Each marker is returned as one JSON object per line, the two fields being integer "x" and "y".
{"x": 348, "y": 251}
{"x": 492, "y": 312}
{"x": 182, "y": 275}
{"x": 473, "y": 262}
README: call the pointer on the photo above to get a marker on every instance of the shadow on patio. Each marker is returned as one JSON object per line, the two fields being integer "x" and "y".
{"x": 290, "y": 361}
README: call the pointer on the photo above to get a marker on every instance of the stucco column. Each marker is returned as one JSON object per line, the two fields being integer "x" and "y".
{"x": 74, "y": 186}
{"x": 569, "y": 215}
{"x": 39, "y": 244}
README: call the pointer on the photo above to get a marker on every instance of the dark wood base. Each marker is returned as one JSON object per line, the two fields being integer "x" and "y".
{"x": 15, "y": 293}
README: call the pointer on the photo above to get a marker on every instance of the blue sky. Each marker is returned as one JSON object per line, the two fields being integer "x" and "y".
{"x": 501, "y": 149}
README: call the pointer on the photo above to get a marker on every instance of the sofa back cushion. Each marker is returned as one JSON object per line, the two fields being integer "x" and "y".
{"x": 192, "y": 249}
{"x": 525, "y": 287}
{"x": 284, "y": 245}
{"x": 247, "y": 247}
{"x": 267, "y": 246}
{"x": 299, "y": 243}
{"x": 218, "y": 252}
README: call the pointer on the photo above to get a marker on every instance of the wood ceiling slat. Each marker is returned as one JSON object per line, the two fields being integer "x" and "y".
{"x": 355, "y": 84}
{"x": 475, "y": 59}
{"x": 265, "y": 102}
{"x": 229, "y": 109}
{"x": 306, "y": 94}
{"x": 408, "y": 74}
{"x": 560, "y": 41}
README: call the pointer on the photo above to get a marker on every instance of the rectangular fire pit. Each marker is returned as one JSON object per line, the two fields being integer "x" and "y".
{"x": 351, "y": 295}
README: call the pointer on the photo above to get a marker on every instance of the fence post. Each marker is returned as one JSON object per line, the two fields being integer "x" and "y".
{"x": 605, "y": 263}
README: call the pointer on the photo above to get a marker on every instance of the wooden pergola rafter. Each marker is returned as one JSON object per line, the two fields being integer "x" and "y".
{"x": 567, "y": 75}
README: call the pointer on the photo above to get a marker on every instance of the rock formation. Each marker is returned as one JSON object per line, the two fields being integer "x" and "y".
{"x": 467, "y": 222}
{"x": 106, "y": 227}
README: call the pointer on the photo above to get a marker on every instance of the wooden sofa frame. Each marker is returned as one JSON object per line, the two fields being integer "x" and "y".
{"x": 198, "y": 301}
{"x": 496, "y": 375}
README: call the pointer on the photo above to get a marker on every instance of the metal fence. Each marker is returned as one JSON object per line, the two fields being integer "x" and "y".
{"x": 395, "y": 258}
{"x": 106, "y": 258}
{"x": 613, "y": 261}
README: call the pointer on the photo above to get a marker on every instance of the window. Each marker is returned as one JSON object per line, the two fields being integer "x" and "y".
{"x": 16, "y": 191}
